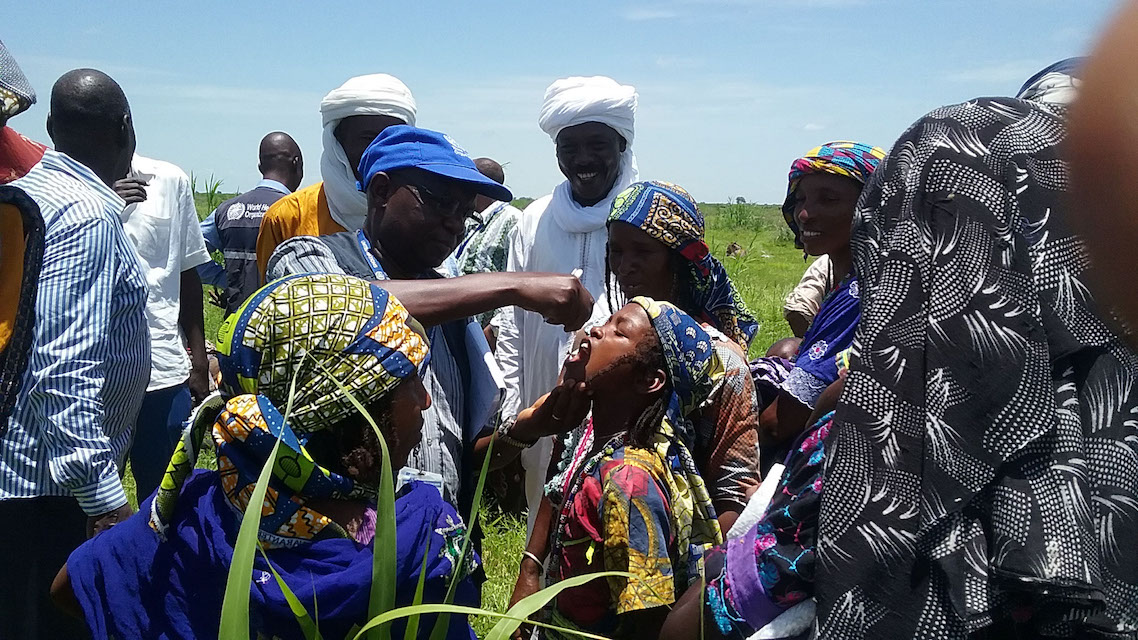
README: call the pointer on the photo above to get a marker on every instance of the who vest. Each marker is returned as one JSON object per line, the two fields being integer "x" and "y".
{"x": 238, "y": 223}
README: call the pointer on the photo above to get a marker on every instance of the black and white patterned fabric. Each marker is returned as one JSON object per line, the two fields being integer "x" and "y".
{"x": 16, "y": 94}
{"x": 984, "y": 464}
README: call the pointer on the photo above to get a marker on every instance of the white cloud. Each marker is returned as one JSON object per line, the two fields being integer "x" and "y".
{"x": 813, "y": 126}
{"x": 680, "y": 8}
{"x": 58, "y": 65}
{"x": 1077, "y": 40}
{"x": 226, "y": 100}
{"x": 767, "y": 3}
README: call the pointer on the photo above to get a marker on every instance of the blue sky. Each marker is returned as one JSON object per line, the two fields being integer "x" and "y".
{"x": 731, "y": 91}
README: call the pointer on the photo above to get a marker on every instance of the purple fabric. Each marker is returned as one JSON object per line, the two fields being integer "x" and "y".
{"x": 746, "y": 588}
{"x": 768, "y": 373}
{"x": 366, "y": 532}
{"x": 754, "y": 578}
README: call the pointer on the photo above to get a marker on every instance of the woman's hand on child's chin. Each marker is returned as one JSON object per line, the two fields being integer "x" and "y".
{"x": 558, "y": 411}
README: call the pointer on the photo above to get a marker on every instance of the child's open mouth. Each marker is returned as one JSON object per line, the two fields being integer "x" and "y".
{"x": 575, "y": 364}
{"x": 581, "y": 355}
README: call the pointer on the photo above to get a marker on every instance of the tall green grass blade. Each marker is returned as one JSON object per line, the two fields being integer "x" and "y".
{"x": 384, "y": 558}
{"x": 235, "y": 605}
{"x": 451, "y": 609}
{"x": 412, "y": 630}
{"x": 533, "y": 603}
{"x": 315, "y": 604}
{"x": 443, "y": 621}
{"x": 509, "y": 621}
{"x": 307, "y": 625}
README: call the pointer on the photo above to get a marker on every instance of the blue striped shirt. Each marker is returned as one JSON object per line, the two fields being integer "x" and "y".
{"x": 90, "y": 361}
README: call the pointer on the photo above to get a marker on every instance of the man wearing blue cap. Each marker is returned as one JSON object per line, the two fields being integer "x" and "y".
{"x": 421, "y": 188}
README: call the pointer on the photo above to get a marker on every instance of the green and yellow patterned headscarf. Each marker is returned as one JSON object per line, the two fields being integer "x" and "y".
{"x": 331, "y": 336}
{"x": 319, "y": 329}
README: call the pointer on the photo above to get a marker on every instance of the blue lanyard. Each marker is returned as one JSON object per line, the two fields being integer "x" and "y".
{"x": 365, "y": 247}
{"x": 380, "y": 274}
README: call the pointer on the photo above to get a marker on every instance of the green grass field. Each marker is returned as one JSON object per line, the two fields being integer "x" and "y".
{"x": 764, "y": 271}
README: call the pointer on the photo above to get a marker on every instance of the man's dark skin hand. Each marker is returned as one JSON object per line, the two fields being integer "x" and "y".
{"x": 560, "y": 298}
{"x": 133, "y": 190}
{"x": 217, "y": 297}
{"x": 99, "y": 524}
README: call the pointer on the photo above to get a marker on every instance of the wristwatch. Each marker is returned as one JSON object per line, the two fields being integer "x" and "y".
{"x": 503, "y": 435}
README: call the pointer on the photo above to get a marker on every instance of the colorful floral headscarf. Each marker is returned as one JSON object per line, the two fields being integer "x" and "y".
{"x": 693, "y": 365}
{"x": 854, "y": 160}
{"x": 670, "y": 215}
{"x": 316, "y": 329}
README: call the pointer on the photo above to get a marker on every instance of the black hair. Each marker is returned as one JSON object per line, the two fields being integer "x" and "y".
{"x": 351, "y": 447}
{"x": 649, "y": 355}
{"x": 86, "y": 102}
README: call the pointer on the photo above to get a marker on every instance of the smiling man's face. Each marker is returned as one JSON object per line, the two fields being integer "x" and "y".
{"x": 589, "y": 157}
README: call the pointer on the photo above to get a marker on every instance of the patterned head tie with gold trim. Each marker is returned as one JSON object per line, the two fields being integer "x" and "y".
{"x": 319, "y": 328}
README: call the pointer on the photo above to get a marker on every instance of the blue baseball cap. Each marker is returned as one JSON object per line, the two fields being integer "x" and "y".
{"x": 406, "y": 147}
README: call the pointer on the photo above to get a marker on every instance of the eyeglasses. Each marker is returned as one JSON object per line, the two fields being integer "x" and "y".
{"x": 441, "y": 206}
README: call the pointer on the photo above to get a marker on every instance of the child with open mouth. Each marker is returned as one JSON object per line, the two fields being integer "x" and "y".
{"x": 626, "y": 495}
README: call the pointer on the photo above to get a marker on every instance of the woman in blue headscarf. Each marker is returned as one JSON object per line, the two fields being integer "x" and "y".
{"x": 656, "y": 248}
{"x": 307, "y": 342}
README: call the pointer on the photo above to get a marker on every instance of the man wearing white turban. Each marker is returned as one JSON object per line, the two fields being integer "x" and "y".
{"x": 591, "y": 123}
{"x": 353, "y": 115}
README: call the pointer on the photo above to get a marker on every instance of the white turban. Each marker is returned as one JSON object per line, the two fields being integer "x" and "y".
{"x": 377, "y": 94}
{"x": 573, "y": 101}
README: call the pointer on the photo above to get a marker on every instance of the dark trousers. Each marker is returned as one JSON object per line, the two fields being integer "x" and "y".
{"x": 39, "y": 535}
{"x": 156, "y": 433}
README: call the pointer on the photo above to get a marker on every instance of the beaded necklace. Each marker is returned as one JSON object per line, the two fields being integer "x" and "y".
{"x": 556, "y": 543}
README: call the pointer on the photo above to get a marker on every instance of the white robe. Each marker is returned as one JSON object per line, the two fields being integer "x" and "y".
{"x": 557, "y": 235}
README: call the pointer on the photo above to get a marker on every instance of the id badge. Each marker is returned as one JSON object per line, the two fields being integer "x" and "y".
{"x": 407, "y": 474}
